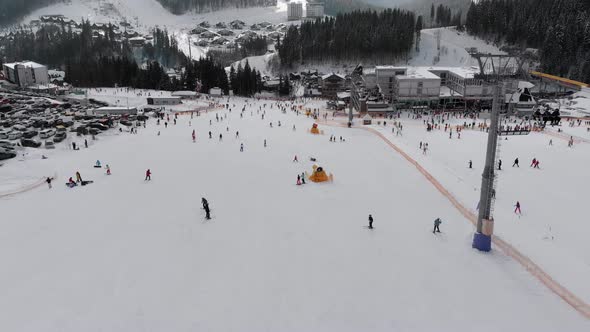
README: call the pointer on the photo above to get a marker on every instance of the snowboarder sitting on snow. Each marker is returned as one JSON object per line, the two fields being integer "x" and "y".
{"x": 71, "y": 183}
{"x": 108, "y": 170}
{"x": 97, "y": 165}
{"x": 437, "y": 223}
{"x": 370, "y": 221}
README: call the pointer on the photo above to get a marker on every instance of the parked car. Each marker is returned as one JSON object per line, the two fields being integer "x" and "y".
{"x": 30, "y": 134}
{"x": 82, "y": 130}
{"x": 98, "y": 126}
{"x": 15, "y": 134}
{"x": 60, "y": 136}
{"x": 7, "y": 144}
{"x": 93, "y": 131}
{"x": 31, "y": 143}
{"x": 49, "y": 145}
{"x": 46, "y": 133}
{"x": 6, "y": 154}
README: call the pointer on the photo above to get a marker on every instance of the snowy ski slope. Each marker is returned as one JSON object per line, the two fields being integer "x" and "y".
{"x": 124, "y": 254}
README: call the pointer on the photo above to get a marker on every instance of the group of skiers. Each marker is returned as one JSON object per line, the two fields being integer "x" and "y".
{"x": 300, "y": 178}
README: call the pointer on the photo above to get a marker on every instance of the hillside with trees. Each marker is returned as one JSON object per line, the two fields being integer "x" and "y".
{"x": 102, "y": 60}
{"x": 560, "y": 29}
{"x": 179, "y": 7}
{"x": 12, "y": 10}
{"x": 361, "y": 35}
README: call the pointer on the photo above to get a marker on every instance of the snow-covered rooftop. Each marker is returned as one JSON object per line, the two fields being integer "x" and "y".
{"x": 30, "y": 64}
{"x": 418, "y": 73}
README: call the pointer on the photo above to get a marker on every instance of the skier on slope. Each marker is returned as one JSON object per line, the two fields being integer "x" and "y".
{"x": 437, "y": 223}
{"x": 194, "y": 135}
{"x": 370, "y": 221}
{"x": 517, "y": 208}
{"x": 207, "y": 211}
{"x": 515, "y": 163}
{"x": 298, "y": 180}
{"x": 48, "y": 180}
{"x": 148, "y": 175}
{"x": 533, "y": 162}
{"x": 470, "y": 164}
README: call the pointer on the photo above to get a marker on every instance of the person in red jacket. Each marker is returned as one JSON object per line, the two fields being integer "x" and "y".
{"x": 148, "y": 175}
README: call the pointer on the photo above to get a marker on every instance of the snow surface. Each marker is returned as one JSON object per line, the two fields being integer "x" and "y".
{"x": 551, "y": 230}
{"x": 124, "y": 254}
{"x": 452, "y": 48}
{"x": 137, "y": 98}
{"x": 262, "y": 63}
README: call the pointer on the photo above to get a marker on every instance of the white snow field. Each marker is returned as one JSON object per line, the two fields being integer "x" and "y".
{"x": 124, "y": 254}
{"x": 452, "y": 51}
{"x": 551, "y": 230}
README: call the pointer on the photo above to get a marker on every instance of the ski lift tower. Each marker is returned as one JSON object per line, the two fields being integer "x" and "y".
{"x": 482, "y": 239}
{"x": 494, "y": 74}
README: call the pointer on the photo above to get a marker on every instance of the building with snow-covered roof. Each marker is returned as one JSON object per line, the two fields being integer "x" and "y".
{"x": 237, "y": 24}
{"x": 137, "y": 41}
{"x": 185, "y": 94}
{"x": 208, "y": 34}
{"x": 26, "y": 73}
{"x": 331, "y": 84}
{"x": 462, "y": 82}
{"x": 429, "y": 86}
{"x": 164, "y": 101}
{"x": 225, "y": 32}
{"x": 417, "y": 84}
